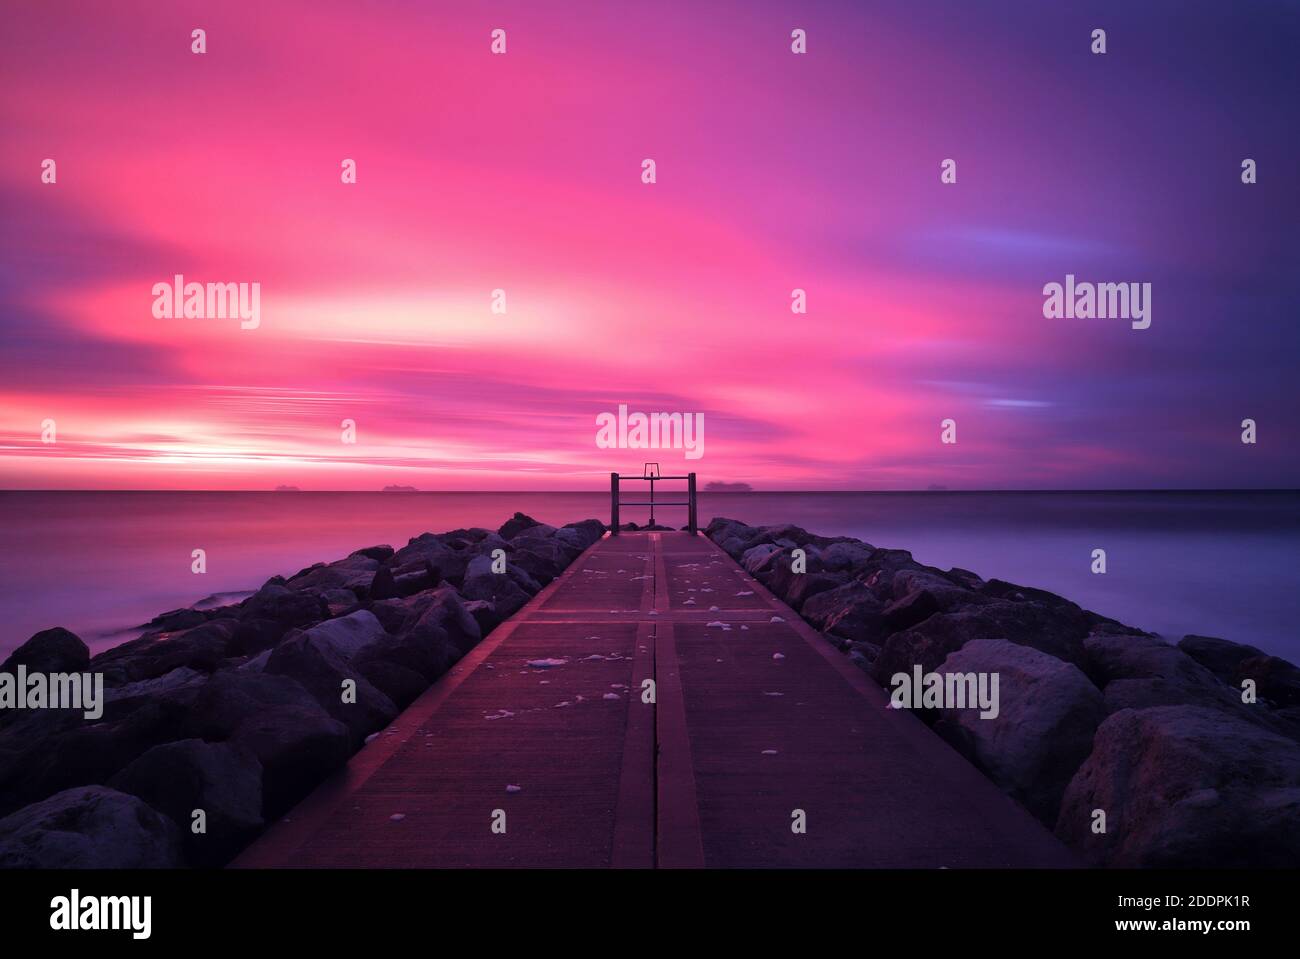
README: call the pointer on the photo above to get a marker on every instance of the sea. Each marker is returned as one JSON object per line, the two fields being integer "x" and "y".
{"x": 1221, "y": 564}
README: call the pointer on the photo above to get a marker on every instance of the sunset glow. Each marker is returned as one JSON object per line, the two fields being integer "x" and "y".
{"x": 521, "y": 173}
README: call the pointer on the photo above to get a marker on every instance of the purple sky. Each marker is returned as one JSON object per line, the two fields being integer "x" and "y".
{"x": 776, "y": 171}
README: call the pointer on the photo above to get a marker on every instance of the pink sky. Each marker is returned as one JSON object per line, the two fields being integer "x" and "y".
{"x": 522, "y": 172}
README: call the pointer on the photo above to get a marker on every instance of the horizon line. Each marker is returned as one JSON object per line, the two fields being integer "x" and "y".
{"x": 749, "y": 492}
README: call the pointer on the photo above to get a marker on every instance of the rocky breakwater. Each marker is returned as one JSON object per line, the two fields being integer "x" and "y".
{"x": 224, "y": 718}
{"x": 1137, "y": 752}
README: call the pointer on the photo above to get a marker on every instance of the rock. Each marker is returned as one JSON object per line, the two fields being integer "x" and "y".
{"x": 223, "y": 780}
{"x": 284, "y": 606}
{"x": 852, "y": 611}
{"x": 733, "y": 536}
{"x": 353, "y": 572}
{"x": 846, "y": 555}
{"x": 760, "y": 558}
{"x": 89, "y": 753}
{"x": 531, "y": 571}
{"x": 538, "y": 531}
{"x": 1048, "y": 711}
{"x": 500, "y": 589}
{"x": 1276, "y": 680}
{"x": 1219, "y": 656}
{"x": 912, "y": 610}
{"x": 588, "y": 531}
{"x": 1000, "y": 589}
{"x": 253, "y": 635}
{"x": 446, "y": 609}
{"x": 786, "y": 535}
{"x": 396, "y": 615}
{"x": 382, "y": 586}
{"x": 1058, "y": 632}
{"x": 484, "y": 613}
{"x": 50, "y": 651}
{"x": 863, "y": 654}
{"x": 515, "y": 524}
{"x": 1137, "y": 671}
{"x": 322, "y": 672}
{"x": 379, "y": 553}
{"x": 276, "y": 719}
{"x": 1185, "y": 787}
{"x": 426, "y": 650}
{"x": 797, "y": 588}
{"x": 167, "y": 682}
{"x": 90, "y": 827}
{"x": 338, "y": 601}
{"x": 965, "y": 578}
{"x": 431, "y": 556}
{"x": 203, "y": 648}
{"x": 416, "y": 580}
{"x": 176, "y": 619}
{"x": 349, "y": 635}
{"x": 399, "y": 683}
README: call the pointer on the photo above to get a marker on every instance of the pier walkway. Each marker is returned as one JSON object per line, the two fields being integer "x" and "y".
{"x": 757, "y": 724}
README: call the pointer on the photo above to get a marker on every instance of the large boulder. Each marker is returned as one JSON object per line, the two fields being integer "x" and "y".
{"x": 89, "y": 753}
{"x": 399, "y": 683}
{"x": 353, "y": 572}
{"x": 1057, "y": 631}
{"x": 325, "y": 674}
{"x": 852, "y": 611}
{"x": 731, "y": 535}
{"x": 1185, "y": 787}
{"x": 349, "y": 636}
{"x": 221, "y": 779}
{"x": 588, "y": 531}
{"x": 276, "y": 719}
{"x": 1047, "y": 712}
{"x": 515, "y": 525}
{"x": 1219, "y": 656}
{"x": 381, "y": 553}
{"x": 536, "y": 532}
{"x": 50, "y": 651}
{"x": 500, "y": 589}
{"x": 255, "y": 634}
{"x": 795, "y": 589}
{"x": 383, "y": 586}
{"x": 426, "y": 650}
{"x": 759, "y": 558}
{"x": 444, "y": 608}
{"x": 846, "y": 554}
{"x": 1276, "y": 681}
{"x": 430, "y": 556}
{"x": 1139, "y": 671}
{"x": 176, "y": 619}
{"x": 284, "y": 606}
{"x": 203, "y": 648}
{"x": 540, "y": 567}
{"x": 90, "y": 827}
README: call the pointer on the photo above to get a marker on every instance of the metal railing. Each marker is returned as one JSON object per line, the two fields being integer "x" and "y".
{"x": 614, "y": 502}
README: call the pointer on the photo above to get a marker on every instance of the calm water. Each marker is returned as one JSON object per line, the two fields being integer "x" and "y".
{"x": 1223, "y": 564}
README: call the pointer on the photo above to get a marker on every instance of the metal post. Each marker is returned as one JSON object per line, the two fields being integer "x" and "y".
{"x": 691, "y": 519}
{"x": 652, "y": 500}
{"x": 613, "y": 504}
